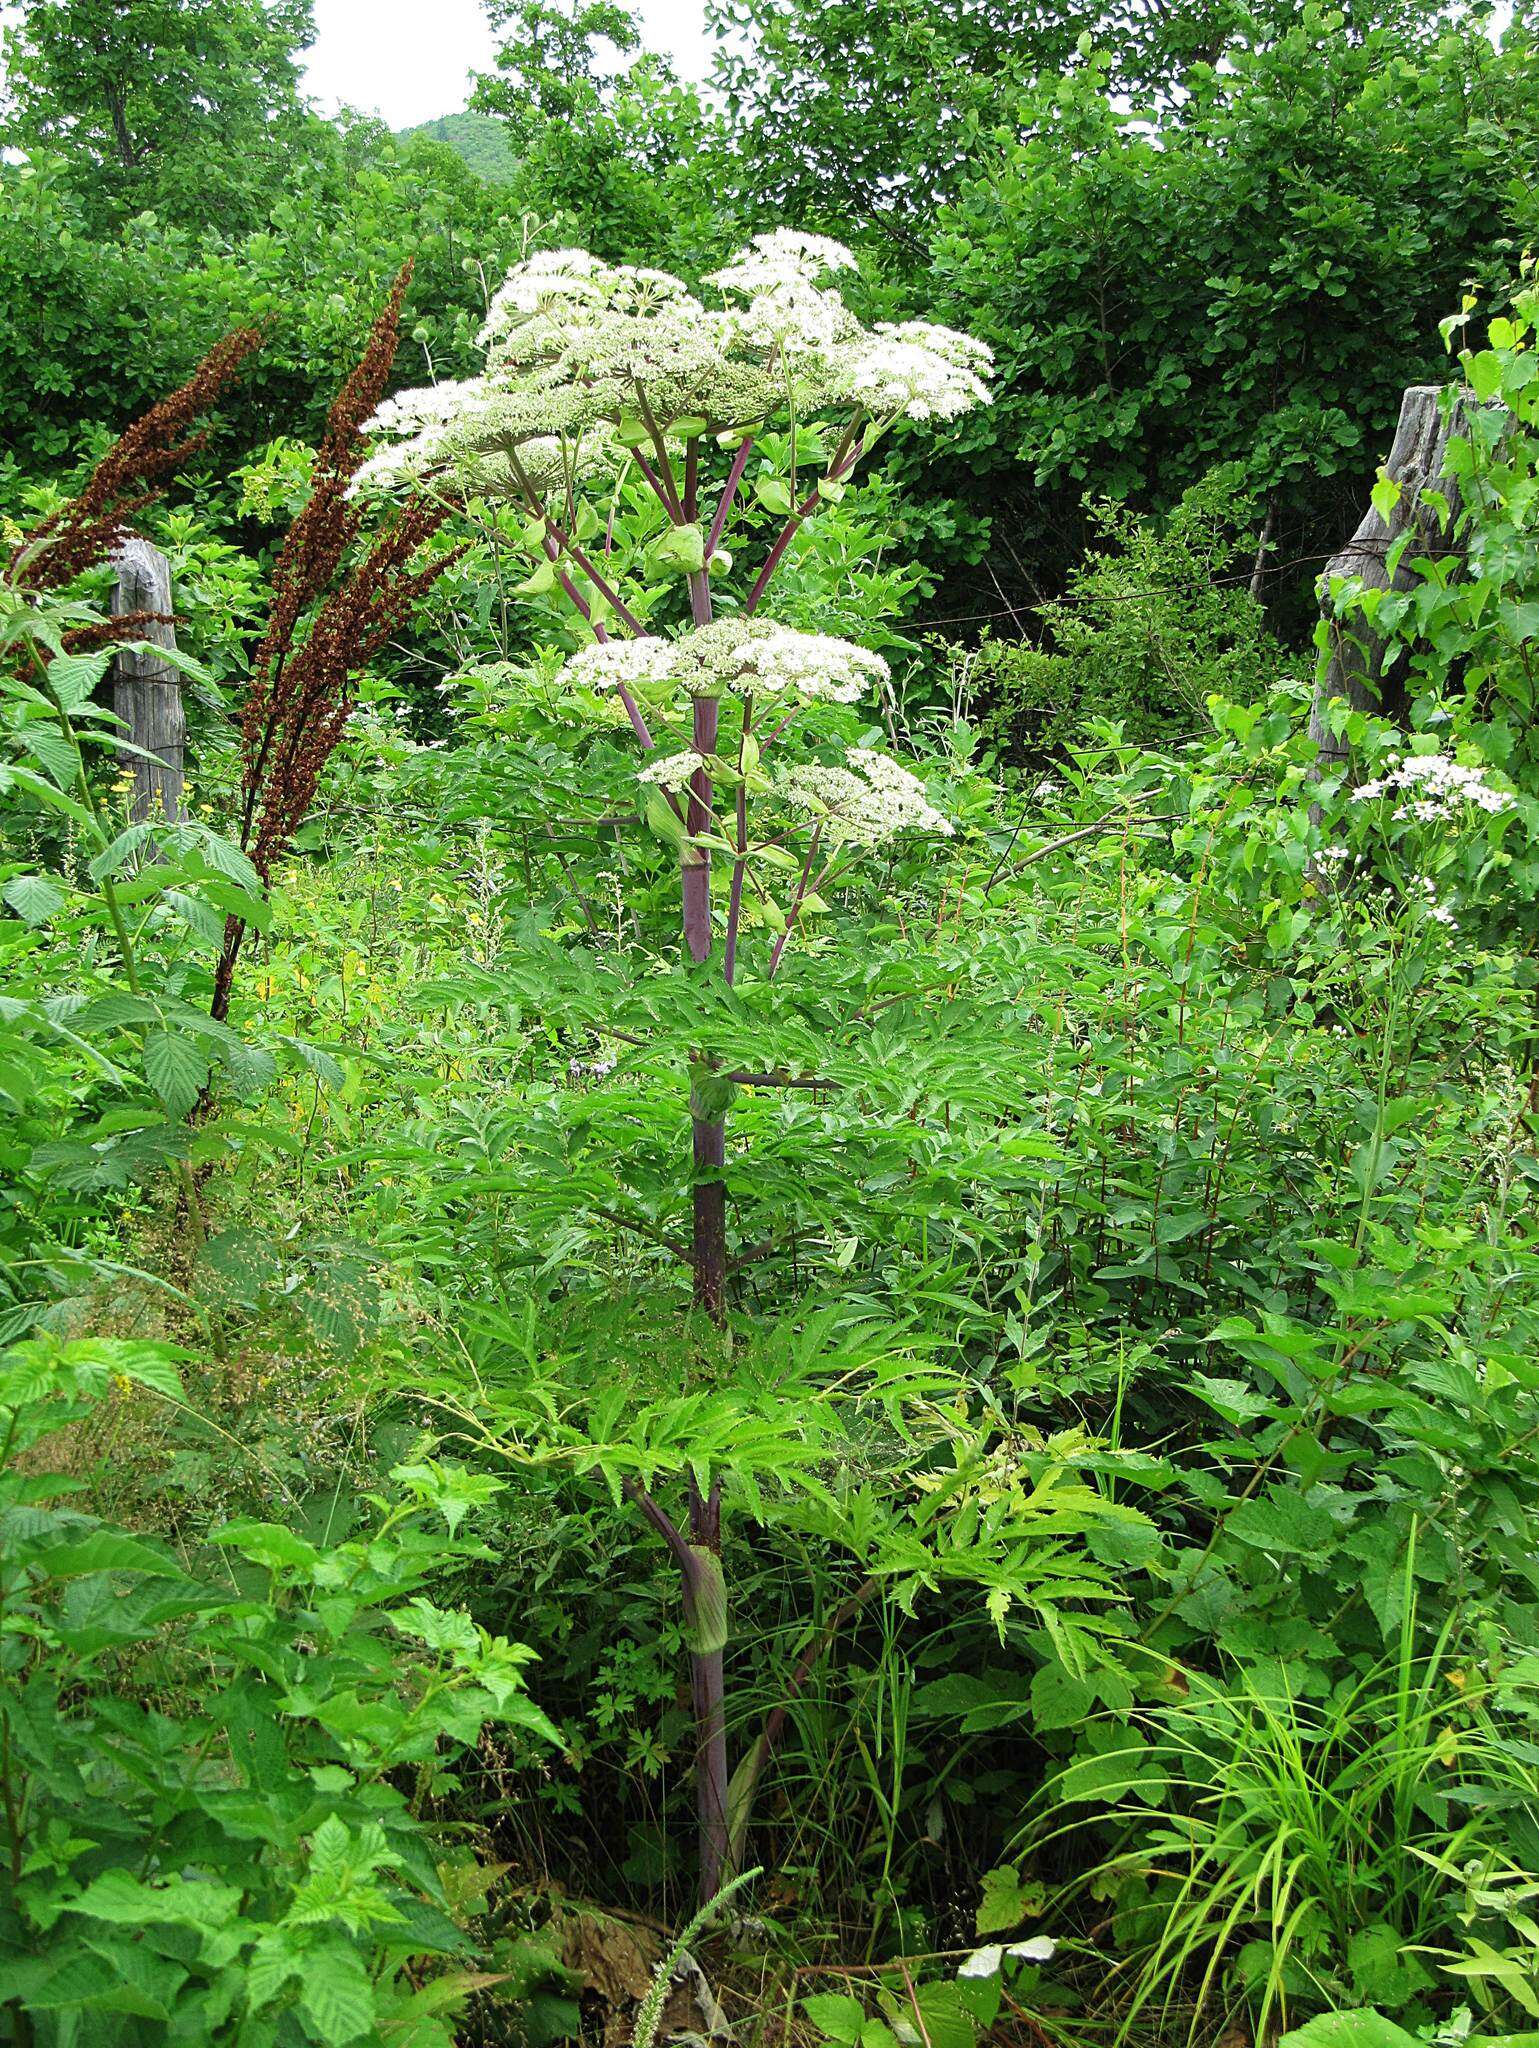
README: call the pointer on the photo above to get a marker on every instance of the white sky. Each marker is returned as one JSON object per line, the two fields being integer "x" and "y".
{"x": 411, "y": 60}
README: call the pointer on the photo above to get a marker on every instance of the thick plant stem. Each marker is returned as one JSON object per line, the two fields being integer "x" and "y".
{"x": 698, "y": 1557}
{"x": 708, "y": 1688}
{"x": 709, "y": 1237}
{"x": 695, "y": 877}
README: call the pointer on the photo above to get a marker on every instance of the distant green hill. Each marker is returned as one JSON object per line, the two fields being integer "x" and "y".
{"x": 478, "y": 139}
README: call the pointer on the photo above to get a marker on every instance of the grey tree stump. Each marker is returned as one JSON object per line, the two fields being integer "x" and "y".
{"x": 147, "y": 692}
{"x": 1356, "y": 670}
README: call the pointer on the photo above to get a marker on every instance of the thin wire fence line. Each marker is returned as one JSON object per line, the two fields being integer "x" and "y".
{"x": 1243, "y": 576}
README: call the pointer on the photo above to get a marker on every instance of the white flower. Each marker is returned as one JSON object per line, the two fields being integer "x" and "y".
{"x": 864, "y": 803}
{"x": 609, "y": 664}
{"x": 918, "y": 370}
{"x": 577, "y": 347}
{"x": 782, "y": 257}
{"x": 674, "y": 771}
{"x": 1436, "y": 785}
{"x": 775, "y": 659}
{"x": 753, "y": 656}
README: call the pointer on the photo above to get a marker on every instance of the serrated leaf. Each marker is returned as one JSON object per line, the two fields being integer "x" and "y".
{"x": 73, "y": 677}
{"x": 35, "y": 898}
{"x": 335, "y": 1994}
{"x": 176, "y": 1068}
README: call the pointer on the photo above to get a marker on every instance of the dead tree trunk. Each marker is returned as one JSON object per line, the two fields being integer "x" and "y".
{"x": 146, "y": 691}
{"x": 1356, "y": 670}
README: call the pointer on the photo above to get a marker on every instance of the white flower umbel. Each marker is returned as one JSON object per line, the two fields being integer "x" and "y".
{"x": 1435, "y": 786}
{"x": 749, "y": 656}
{"x": 865, "y": 803}
{"x": 917, "y": 371}
{"x": 576, "y": 347}
{"x": 674, "y": 773}
{"x": 611, "y": 664}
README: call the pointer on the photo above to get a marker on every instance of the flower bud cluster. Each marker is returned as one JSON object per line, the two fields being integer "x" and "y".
{"x": 864, "y": 803}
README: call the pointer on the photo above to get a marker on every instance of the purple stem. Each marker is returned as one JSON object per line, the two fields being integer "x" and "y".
{"x": 843, "y": 463}
{"x": 633, "y": 712}
{"x": 706, "y": 1672}
{"x": 740, "y": 865}
{"x": 796, "y": 901}
{"x": 728, "y": 493}
{"x": 696, "y": 873}
{"x": 707, "y": 1684}
{"x": 692, "y": 480}
{"x": 604, "y": 588}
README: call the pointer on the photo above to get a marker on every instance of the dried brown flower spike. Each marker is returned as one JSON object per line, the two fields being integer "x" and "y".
{"x": 300, "y": 693}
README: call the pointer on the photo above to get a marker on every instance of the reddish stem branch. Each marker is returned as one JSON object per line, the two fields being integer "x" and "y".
{"x": 728, "y": 493}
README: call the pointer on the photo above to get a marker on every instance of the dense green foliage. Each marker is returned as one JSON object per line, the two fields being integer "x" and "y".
{"x": 1103, "y": 1485}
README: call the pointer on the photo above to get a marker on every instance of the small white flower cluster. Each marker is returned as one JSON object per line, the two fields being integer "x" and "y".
{"x": 621, "y": 664}
{"x": 865, "y": 803}
{"x": 920, "y": 370}
{"x": 470, "y": 433}
{"x": 1435, "y": 785}
{"x": 577, "y": 347}
{"x": 1440, "y": 912}
{"x": 775, "y": 659}
{"x": 674, "y": 771}
{"x": 751, "y": 656}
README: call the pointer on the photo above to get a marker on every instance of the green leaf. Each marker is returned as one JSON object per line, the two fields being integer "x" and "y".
{"x": 335, "y": 1994}
{"x": 73, "y": 677}
{"x": 836, "y": 2017}
{"x": 1006, "y": 1901}
{"x": 125, "y": 1900}
{"x": 36, "y": 898}
{"x": 1363, "y": 2028}
{"x": 705, "y": 1602}
{"x": 538, "y": 581}
{"x": 1284, "y": 1523}
{"x": 773, "y": 493}
{"x": 177, "y": 1069}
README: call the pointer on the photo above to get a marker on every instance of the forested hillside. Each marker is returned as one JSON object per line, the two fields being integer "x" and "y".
{"x": 479, "y": 141}
{"x": 769, "y": 961}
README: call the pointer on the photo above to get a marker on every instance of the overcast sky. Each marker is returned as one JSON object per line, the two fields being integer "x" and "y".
{"x": 410, "y": 60}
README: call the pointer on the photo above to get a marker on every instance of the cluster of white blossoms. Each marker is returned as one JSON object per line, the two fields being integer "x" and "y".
{"x": 920, "y": 370}
{"x": 1434, "y": 787}
{"x": 750, "y": 656}
{"x": 674, "y": 771}
{"x": 576, "y": 347}
{"x": 868, "y": 801}
{"x": 468, "y": 434}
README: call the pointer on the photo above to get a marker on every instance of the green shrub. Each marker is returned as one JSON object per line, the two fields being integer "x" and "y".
{"x": 213, "y": 1776}
{"x": 1153, "y": 623}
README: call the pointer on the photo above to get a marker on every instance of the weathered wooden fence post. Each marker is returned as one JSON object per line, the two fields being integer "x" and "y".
{"x": 1355, "y": 668}
{"x": 147, "y": 692}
